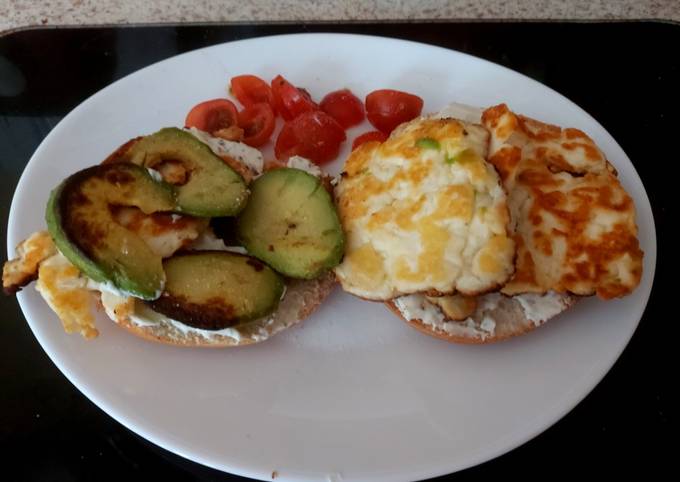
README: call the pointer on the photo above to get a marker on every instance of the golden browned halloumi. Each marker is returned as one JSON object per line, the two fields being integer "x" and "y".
{"x": 66, "y": 290}
{"x": 165, "y": 233}
{"x": 32, "y": 251}
{"x": 574, "y": 223}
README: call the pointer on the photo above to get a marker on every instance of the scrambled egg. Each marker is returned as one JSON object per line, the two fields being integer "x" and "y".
{"x": 574, "y": 223}
{"x": 424, "y": 212}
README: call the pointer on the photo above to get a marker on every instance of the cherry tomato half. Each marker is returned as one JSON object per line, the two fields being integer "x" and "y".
{"x": 344, "y": 107}
{"x": 257, "y": 122}
{"x": 370, "y": 136}
{"x": 387, "y": 108}
{"x": 212, "y": 115}
{"x": 250, "y": 89}
{"x": 314, "y": 135}
{"x": 307, "y": 95}
{"x": 290, "y": 101}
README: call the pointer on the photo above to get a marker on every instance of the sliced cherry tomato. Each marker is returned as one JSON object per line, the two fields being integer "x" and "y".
{"x": 344, "y": 107}
{"x": 306, "y": 93}
{"x": 387, "y": 108}
{"x": 250, "y": 89}
{"x": 290, "y": 101}
{"x": 369, "y": 137}
{"x": 314, "y": 135}
{"x": 212, "y": 115}
{"x": 257, "y": 122}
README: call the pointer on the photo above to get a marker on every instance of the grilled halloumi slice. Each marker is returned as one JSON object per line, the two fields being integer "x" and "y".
{"x": 66, "y": 290}
{"x": 18, "y": 272}
{"x": 574, "y": 223}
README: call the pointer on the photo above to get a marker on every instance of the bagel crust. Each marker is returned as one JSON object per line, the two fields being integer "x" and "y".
{"x": 301, "y": 298}
{"x": 496, "y": 318}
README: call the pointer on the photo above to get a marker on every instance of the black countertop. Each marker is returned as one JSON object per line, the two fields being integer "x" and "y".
{"x": 624, "y": 74}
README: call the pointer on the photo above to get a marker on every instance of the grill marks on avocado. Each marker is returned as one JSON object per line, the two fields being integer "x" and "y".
{"x": 81, "y": 222}
{"x": 210, "y": 314}
{"x": 291, "y": 223}
{"x": 206, "y": 185}
{"x": 213, "y": 290}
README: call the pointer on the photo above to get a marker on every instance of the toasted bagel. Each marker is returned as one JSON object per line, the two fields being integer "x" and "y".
{"x": 301, "y": 299}
{"x": 71, "y": 294}
{"x": 512, "y": 313}
{"x": 496, "y": 318}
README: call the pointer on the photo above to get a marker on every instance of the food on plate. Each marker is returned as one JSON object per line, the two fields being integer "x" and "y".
{"x": 424, "y": 212}
{"x": 257, "y": 122}
{"x": 572, "y": 222}
{"x": 213, "y": 116}
{"x": 213, "y": 290}
{"x": 290, "y": 101}
{"x": 314, "y": 135}
{"x": 300, "y": 300}
{"x": 23, "y": 269}
{"x": 387, "y": 108}
{"x": 472, "y": 225}
{"x": 291, "y": 224}
{"x": 344, "y": 107}
{"x": 243, "y": 159}
{"x": 371, "y": 136}
{"x": 251, "y": 90}
{"x": 485, "y": 319}
{"x": 311, "y": 130}
{"x": 133, "y": 235}
{"x": 205, "y": 184}
{"x": 81, "y": 223}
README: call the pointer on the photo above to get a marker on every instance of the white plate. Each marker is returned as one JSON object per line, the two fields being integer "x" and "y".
{"x": 354, "y": 393}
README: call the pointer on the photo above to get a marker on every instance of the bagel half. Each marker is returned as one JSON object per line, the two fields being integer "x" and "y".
{"x": 302, "y": 297}
{"x": 71, "y": 294}
{"x": 496, "y": 318}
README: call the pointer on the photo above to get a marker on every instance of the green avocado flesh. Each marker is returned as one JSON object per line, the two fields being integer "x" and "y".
{"x": 290, "y": 222}
{"x": 212, "y": 188}
{"x": 213, "y": 290}
{"x": 81, "y": 224}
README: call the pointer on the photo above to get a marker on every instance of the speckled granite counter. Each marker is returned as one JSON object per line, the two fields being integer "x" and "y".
{"x": 23, "y": 13}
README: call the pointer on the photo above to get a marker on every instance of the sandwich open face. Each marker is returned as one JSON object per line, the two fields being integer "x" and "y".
{"x": 569, "y": 230}
{"x": 473, "y": 226}
{"x": 134, "y": 236}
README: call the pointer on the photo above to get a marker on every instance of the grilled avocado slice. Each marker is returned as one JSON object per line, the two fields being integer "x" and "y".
{"x": 209, "y": 187}
{"x": 213, "y": 290}
{"x": 80, "y": 221}
{"x": 291, "y": 224}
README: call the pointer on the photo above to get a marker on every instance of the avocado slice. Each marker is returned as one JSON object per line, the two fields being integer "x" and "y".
{"x": 212, "y": 290}
{"x": 291, "y": 223}
{"x": 80, "y": 221}
{"x": 210, "y": 187}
